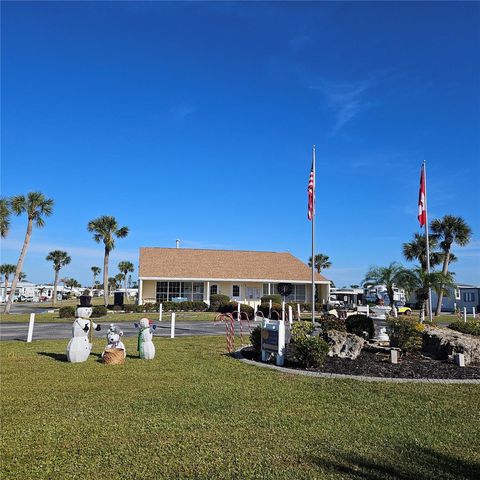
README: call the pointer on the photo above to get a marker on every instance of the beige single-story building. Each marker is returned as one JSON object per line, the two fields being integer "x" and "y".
{"x": 245, "y": 276}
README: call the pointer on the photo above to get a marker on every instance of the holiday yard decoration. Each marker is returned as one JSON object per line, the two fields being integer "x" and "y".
{"x": 80, "y": 345}
{"x": 114, "y": 343}
{"x": 145, "y": 347}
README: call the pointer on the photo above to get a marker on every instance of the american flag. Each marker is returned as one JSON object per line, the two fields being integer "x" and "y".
{"x": 422, "y": 211}
{"x": 311, "y": 193}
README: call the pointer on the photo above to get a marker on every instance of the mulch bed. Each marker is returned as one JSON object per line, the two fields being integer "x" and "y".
{"x": 371, "y": 364}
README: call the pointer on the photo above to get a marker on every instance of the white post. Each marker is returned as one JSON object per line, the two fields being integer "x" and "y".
{"x": 270, "y": 308}
{"x": 30, "y": 327}
{"x": 140, "y": 291}
{"x": 298, "y": 310}
{"x": 473, "y": 312}
{"x": 160, "y": 312}
{"x": 395, "y": 313}
{"x": 464, "y": 314}
{"x": 283, "y": 311}
{"x": 281, "y": 344}
{"x": 238, "y": 312}
{"x": 172, "y": 326}
{"x": 208, "y": 294}
{"x": 368, "y": 310}
{"x": 290, "y": 315}
{"x": 393, "y": 356}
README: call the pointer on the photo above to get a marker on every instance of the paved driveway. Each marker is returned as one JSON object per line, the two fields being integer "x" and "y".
{"x": 49, "y": 331}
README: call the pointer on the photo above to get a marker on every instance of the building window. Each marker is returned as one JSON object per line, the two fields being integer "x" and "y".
{"x": 468, "y": 297}
{"x": 235, "y": 290}
{"x": 213, "y": 289}
{"x": 166, "y": 291}
{"x": 299, "y": 293}
{"x": 265, "y": 289}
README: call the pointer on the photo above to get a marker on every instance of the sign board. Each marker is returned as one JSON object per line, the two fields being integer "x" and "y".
{"x": 273, "y": 340}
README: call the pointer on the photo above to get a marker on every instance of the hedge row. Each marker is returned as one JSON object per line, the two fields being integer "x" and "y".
{"x": 70, "y": 312}
{"x": 472, "y": 327}
{"x": 168, "y": 307}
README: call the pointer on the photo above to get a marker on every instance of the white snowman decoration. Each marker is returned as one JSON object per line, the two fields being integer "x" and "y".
{"x": 113, "y": 340}
{"x": 80, "y": 345}
{"x": 145, "y": 347}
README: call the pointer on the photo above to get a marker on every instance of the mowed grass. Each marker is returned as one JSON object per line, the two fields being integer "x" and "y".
{"x": 114, "y": 317}
{"x": 194, "y": 412}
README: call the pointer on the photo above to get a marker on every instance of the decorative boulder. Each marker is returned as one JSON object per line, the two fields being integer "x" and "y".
{"x": 343, "y": 344}
{"x": 444, "y": 343}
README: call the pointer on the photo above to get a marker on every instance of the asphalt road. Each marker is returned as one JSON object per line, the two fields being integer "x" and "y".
{"x": 26, "y": 308}
{"x": 50, "y": 331}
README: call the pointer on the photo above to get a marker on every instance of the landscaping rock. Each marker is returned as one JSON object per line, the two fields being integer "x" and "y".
{"x": 444, "y": 343}
{"x": 343, "y": 344}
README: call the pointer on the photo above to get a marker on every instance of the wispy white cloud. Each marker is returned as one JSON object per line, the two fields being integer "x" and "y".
{"x": 346, "y": 100}
{"x": 74, "y": 251}
{"x": 181, "y": 113}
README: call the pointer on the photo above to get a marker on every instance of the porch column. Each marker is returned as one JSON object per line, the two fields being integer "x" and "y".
{"x": 207, "y": 296}
{"x": 140, "y": 285}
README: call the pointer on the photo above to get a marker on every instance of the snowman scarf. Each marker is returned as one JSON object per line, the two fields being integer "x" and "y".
{"x": 140, "y": 341}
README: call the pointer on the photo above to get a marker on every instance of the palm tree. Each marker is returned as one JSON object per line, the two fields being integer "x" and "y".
{"x": 420, "y": 282}
{"x": 6, "y": 270}
{"x": 22, "y": 276}
{"x": 395, "y": 275}
{"x": 126, "y": 268}
{"x": 450, "y": 230}
{"x": 96, "y": 271}
{"x": 36, "y": 206}
{"x": 119, "y": 278}
{"x": 59, "y": 259}
{"x": 112, "y": 284}
{"x": 321, "y": 262}
{"x": 106, "y": 230}
{"x": 4, "y": 217}
{"x": 71, "y": 282}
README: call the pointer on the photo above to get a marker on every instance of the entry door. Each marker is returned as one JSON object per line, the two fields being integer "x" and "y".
{"x": 253, "y": 293}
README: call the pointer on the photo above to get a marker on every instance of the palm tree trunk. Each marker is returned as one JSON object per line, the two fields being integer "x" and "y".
{"x": 446, "y": 261}
{"x": 125, "y": 294}
{"x": 6, "y": 284}
{"x": 55, "y": 283}
{"x": 26, "y": 243}
{"x": 105, "y": 277}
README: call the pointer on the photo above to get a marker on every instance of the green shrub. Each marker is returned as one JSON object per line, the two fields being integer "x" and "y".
{"x": 231, "y": 307}
{"x": 99, "y": 311}
{"x": 301, "y": 330}
{"x": 66, "y": 312}
{"x": 256, "y": 339}
{"x": 274, "y": 298}
{"x": 217, "y": 300}
{"x": 331, "y": 322}
{"x": 129, "y": 308}
{"x": 358, "y": 324}
{"x": 319, "y": 307}
{"x": 308, "y": 351}
{"x": 264, "y": 308}
{"x": 472, "y": 327}
{"x": 405, "y": 333}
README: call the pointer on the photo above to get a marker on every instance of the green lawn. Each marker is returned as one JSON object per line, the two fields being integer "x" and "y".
{"x": 196, "y": 413}
{"x": 114, "y": 317}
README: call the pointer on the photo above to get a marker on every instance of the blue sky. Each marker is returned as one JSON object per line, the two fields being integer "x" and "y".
{"x": 195, "y": 121}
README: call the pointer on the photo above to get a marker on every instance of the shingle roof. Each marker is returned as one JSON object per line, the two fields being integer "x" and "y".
{"x": 188, "y": 263}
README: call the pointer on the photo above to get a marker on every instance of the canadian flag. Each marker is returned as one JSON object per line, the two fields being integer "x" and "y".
{"x": 422, "y": 211}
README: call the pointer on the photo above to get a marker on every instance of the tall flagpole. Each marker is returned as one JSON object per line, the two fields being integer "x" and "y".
{"x": 430, "y": 317}
{"x": 313, "y": 235}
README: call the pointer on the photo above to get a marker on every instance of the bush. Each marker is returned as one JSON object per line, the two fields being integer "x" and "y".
{"x": 358, "y": 324}
{"x": 217, "y": 300}
{"x": 264, "y": 308}
{"x": 308, "y": 351}
{"x": 129, "y": 308}
{"x": 405, "y": 333}
{"x": 99, "y": 311}
{"x": 231, "y": 307}
{"x": 331, "y": 322}
{"x": 66, "y": 312}
{"x": 319, "y": 307}
{"x": 472, "y": 327}
{"x": 301, "y": 330}
{"x": 256, "y": 339}
{"x": 274, "y": 298}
